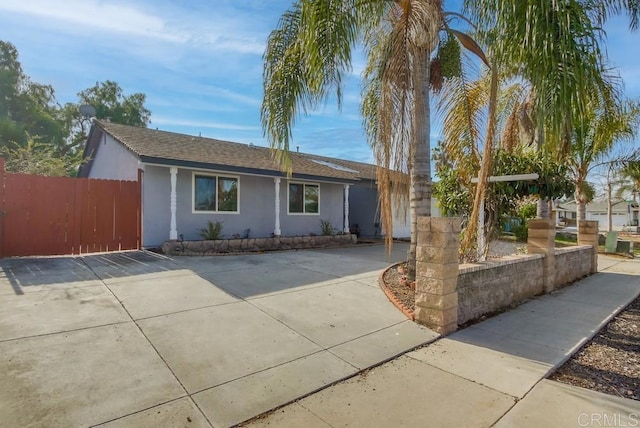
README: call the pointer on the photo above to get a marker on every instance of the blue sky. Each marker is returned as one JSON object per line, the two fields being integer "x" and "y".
{"x": 200, "y": 64}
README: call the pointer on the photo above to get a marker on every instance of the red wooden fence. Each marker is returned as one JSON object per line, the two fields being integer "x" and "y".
{"x": 60, "y": 215}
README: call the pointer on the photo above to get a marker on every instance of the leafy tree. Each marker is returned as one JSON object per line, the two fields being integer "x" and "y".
{"x": 36, "y": 129}
{"x": 502, "y": 198}
{"x": 452, "y": 188}
{"x": 110, "y": 104}
{"x": 26, "y": 107}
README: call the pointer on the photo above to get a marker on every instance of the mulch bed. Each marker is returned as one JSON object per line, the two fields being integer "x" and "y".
{"x": 402, "y": 292}
{"x": 610, "y": 362}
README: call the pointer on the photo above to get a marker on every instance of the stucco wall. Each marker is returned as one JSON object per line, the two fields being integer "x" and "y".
{"x": 256, "y": 208}
{"x": 572, "y": 263}
{"x": 331, "y": 208}
{"x": 363, "y": 211}
{"x": 363, "y": 207}
{"x": 156, "y": 188}
{"x": 113, "y": 161}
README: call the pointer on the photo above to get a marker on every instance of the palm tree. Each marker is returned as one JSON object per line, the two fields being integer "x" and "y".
{"x": 307, "y": 56}
{"x": 630, "y": 182}
{"x": 469, "y": 107}
{"x": 605, "y": 124}
{"x": 557, "y": 48}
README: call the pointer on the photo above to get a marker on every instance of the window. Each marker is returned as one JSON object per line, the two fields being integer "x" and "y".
{"x": 215, "y": 193}
{"x": 304, "y": 198}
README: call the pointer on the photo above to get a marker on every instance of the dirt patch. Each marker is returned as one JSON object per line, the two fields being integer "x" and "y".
{"x": 402, "y": 292}
{"x": 610, "y": 362}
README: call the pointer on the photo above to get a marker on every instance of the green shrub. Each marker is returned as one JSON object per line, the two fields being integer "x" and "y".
{"x": 326, "y": 228}
{"x": 521, "y": 232}
{"x": 528, "y": 210}
{"x": 212, "y": 231}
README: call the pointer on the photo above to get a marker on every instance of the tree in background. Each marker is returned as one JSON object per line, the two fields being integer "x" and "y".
{"x": 110, "y": 104}
{"x": 37, "y": 131}
{"x": 26, "y": 107}
{"x": 503, "y": 199}
{"x": 608, "y": 121}
{"x": 557, "y": 47}
{"x": 630, "y": 182}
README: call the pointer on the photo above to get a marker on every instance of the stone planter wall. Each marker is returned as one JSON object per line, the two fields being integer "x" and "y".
{"x": 448, "y": 295}
{"x": 573, "y": 263}
{"x": 225, "y": 246}
{"x": 493, "y": 285}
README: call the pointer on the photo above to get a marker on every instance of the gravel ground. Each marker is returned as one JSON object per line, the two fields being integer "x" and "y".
{"x": 610, "y": 362}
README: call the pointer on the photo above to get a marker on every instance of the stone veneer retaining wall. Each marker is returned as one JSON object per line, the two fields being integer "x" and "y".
{"x": 223, "y": 246}
{"x": 489, "y": 286}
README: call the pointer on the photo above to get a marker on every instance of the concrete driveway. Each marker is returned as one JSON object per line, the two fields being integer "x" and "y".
{"x": 138, "y": 339}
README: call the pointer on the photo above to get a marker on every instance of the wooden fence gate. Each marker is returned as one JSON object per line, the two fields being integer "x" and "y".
{"x": 61, "y": 215}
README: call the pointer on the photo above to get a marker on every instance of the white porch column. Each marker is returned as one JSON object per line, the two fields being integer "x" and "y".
{"x": 346, "y": 208}
{"x": 173, "y": 228}
{"x": 276, "y": 230}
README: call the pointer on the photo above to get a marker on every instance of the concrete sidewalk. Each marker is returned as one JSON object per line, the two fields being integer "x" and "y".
{"x": 490, "y": 374}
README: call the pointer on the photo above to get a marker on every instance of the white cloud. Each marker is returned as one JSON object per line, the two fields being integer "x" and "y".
{"x": 110, "y": 17}
{"x": 235, "y": 96}
{"x": 179, "y": 26}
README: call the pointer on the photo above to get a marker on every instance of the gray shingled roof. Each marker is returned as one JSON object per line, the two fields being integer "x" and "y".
{"x": 185, "y": 150}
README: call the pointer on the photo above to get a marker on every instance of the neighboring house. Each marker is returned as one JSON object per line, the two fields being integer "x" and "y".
{"x": 190, "y": 180}
{"x": 623, "y": 213}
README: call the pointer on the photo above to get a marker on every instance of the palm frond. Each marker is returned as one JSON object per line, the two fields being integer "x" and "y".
{"x": 305, "y": 60}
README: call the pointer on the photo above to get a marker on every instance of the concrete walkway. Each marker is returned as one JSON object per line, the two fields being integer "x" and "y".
{"x": 490, "y": 374}
{"x": 138, "y": 339}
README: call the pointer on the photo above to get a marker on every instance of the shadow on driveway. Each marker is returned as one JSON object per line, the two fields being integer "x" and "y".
{"x": 127, "y": 336}
{"x": 31, "y": 273}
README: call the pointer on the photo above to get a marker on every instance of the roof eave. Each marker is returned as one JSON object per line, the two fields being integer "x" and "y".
{"x": 240, "y": 170}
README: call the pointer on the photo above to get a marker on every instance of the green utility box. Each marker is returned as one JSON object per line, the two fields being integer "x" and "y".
{"x": 611, "y": 244}
{"x": 624, "y": 247}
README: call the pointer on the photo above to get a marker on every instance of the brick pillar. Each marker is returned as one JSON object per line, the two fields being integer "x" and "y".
{"x": 588, "y": 235}
{"x": 437, "y": 273}
{"x": 542, "y": 235}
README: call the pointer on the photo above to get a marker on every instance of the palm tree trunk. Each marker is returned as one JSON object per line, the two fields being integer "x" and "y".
{"x": 581, "y": 212}
{"x": 420, "y": 153}
{"x": 581, "y": 201}
{"x": 542, "y": 208}
{"x": 483, "y": 175}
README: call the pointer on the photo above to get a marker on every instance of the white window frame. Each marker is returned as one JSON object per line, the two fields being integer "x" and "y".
{"x": 303, "y": 204}
{"x": 217, "y": 177}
